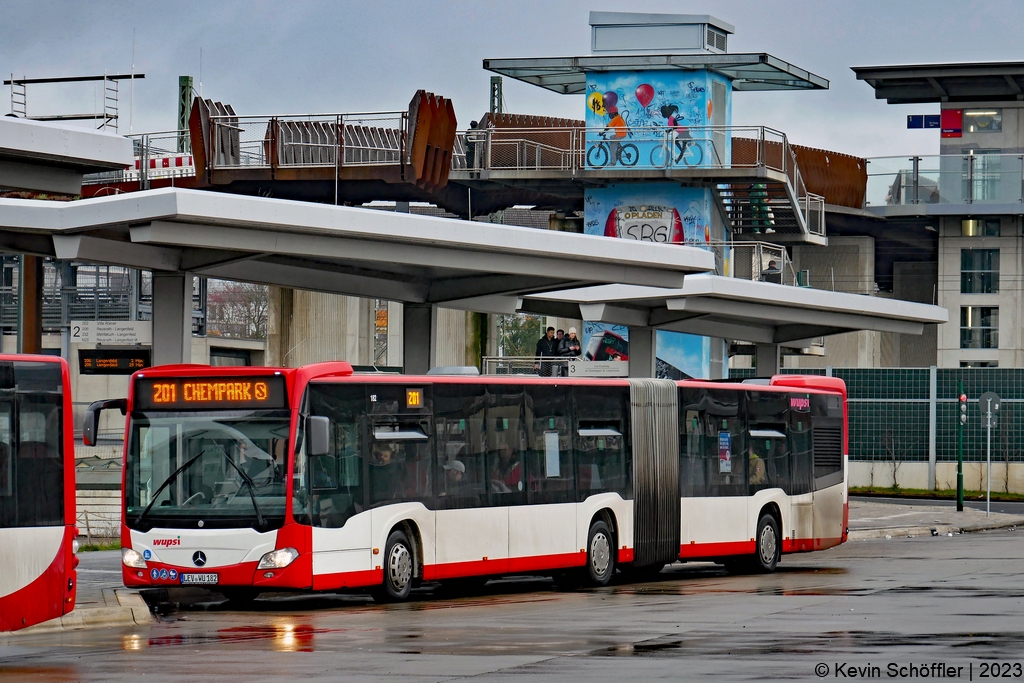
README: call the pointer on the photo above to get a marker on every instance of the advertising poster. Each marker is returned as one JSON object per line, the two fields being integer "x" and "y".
{"x": 604, "y": 341}
{"x": 724, "y": 453}
{"x": 687, "y": 353}
{"x": 657, "y": 119}
{"x": 679, "y": 355}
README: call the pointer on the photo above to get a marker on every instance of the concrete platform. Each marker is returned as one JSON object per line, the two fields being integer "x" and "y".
{"x": 870, "y": 519}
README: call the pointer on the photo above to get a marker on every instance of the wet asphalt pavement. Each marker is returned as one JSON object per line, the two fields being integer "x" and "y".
{"x": 954, "y": 600}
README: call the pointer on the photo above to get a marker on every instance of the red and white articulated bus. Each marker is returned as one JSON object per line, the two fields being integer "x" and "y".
{"x": 37, "y": 491}
{"x": 249, "y": 480}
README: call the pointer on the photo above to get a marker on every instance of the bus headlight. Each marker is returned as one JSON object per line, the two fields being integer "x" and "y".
{"x": 278, "y": 559}
{"x": 132, "y": 558}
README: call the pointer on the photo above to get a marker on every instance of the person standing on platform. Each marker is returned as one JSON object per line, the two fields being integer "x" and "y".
{"x": 547, "y": 347}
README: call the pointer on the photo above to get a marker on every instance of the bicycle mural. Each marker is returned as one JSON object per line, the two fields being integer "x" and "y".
{"x": 657, "y": 119}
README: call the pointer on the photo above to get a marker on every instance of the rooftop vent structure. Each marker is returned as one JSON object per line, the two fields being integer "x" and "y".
{"x": 637, "y": 33}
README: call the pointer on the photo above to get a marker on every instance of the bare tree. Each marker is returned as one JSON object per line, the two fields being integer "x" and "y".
{"x": 237, "y": 309}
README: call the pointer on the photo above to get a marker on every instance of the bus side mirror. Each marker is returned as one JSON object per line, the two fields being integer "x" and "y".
{"x": 318, "y": 435}
{"x": 91, "y": 423}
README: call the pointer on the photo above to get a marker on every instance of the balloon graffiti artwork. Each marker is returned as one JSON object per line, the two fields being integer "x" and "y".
{"x": 596, "y": 103}
{"x": 611, "y": 100}
{"x": 645, "y": 94}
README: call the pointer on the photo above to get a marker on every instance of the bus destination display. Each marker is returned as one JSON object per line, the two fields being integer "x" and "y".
{"x": 210, "y": 393}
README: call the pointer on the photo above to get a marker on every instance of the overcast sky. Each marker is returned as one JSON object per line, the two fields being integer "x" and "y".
{"x": 303, "y": 56}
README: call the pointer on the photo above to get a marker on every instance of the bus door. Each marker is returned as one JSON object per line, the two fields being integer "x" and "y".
{"x": 829, "y": 493}
{"x": 398, "y": 456}
{"x": 715, "y": 487}
{"x": 476, "y": 476}
{"x": 543, "y": 532}
{"x": 330, "y": 493}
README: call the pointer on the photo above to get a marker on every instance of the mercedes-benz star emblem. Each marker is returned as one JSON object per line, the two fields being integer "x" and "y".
{"x": 199, "y": 558}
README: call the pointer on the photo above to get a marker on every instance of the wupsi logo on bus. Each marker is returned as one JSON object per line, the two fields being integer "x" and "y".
{"x": 798, "y": 403}
{"x": 167, "y": 542}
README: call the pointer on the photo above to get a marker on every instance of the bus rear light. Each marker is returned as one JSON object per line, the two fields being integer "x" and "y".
{"x": 133, "y": 558}
{"x": 75, "y": 546}
{"x": 278, "y": 559}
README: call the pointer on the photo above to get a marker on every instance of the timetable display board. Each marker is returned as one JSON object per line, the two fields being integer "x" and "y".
{"x": 210, "y": 393}
{"x": 113, "y": 361}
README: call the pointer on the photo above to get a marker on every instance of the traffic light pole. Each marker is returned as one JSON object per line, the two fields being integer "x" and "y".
{"x": 960, "y": 456}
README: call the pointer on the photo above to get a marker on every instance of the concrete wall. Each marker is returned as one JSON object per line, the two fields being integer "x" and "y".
{"x": 310, "y": 327}
{"x": 1006, "y": 477}
{"x": 1011, "y": 343}
{"x": 847, "y": 264}
{"x": 915, "y": 282}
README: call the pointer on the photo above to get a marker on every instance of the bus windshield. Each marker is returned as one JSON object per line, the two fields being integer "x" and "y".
{"x": 231, "y": 468}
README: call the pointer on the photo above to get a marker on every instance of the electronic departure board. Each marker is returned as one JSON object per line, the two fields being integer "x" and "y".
{"x": 113, "y": 361}
{"x": 210, "y": 393}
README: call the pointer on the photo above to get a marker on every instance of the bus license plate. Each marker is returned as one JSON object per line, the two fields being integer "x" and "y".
{"x": 199, "y": 579}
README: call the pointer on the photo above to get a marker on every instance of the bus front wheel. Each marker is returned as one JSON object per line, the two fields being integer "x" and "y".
{"x": 600, "y": 554}
{"x": 399, "y": 569}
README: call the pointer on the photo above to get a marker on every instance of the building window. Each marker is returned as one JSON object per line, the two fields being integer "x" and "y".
{"x": 983, "y": 120}
{"x": 979, "y": 271}
{"x": 979, "y": 327}
{"x": 223, "y": 357}
{"x": 979, "y": 227}
{"x": 979, "y": 364}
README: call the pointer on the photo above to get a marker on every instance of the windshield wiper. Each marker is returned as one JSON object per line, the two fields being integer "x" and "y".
{"x": 252, "y": 491}
{"x": 167, "y": 481}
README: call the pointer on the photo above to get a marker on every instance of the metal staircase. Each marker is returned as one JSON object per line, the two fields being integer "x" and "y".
{"x": 772, "y": 210}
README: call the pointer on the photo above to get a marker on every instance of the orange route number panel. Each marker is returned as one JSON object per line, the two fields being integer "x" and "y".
{"x": 210, "y": 393}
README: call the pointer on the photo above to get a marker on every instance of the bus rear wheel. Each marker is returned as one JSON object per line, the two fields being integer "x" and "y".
{"x": 399, "y": 569}
{"x": 768, "y": 545}
{"x": 600, "y": 554}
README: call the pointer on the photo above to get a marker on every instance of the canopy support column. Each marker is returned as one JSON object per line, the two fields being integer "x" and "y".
{"x": 643, "y": 343}
{"x": 172, "y": 318}
{"x": 30, "y": 304}
{"x": 767, "y": 360}
{"x": 419, "y": 325}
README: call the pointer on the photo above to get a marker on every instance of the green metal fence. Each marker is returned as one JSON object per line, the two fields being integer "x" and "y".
{"x": 890, "y": 412}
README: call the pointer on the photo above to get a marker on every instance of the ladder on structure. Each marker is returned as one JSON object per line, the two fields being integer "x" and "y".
{"x": 19, "y": 99}
{"x": 109, "y": 103}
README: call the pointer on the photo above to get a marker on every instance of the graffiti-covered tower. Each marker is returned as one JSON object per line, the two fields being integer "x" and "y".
{"x": 658, "y": 157}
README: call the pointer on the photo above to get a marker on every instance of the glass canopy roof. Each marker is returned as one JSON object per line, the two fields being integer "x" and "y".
{"x": 567, "y": 75}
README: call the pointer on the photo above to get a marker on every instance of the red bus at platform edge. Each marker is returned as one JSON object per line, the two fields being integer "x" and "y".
{"x": 38, "y": 538}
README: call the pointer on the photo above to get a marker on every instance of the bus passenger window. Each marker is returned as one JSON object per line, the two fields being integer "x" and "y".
{"x": 6, "y": 460}
{"x": 549, "y": 459}
{"x": 506, "y": 441}
{"x": 461, "y": 453}
{"x": 691, "y": 456}
{"x": 768, "y": 453}
{"x": 399, "y": 464}
{"x": 603, "y": 458}
{"x": 724, "y": 442}
{"x": 39, "y": 470}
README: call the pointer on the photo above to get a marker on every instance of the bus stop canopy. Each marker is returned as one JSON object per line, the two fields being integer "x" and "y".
{"x": 744, "y": 310}
{"x": 342, "y": 250}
